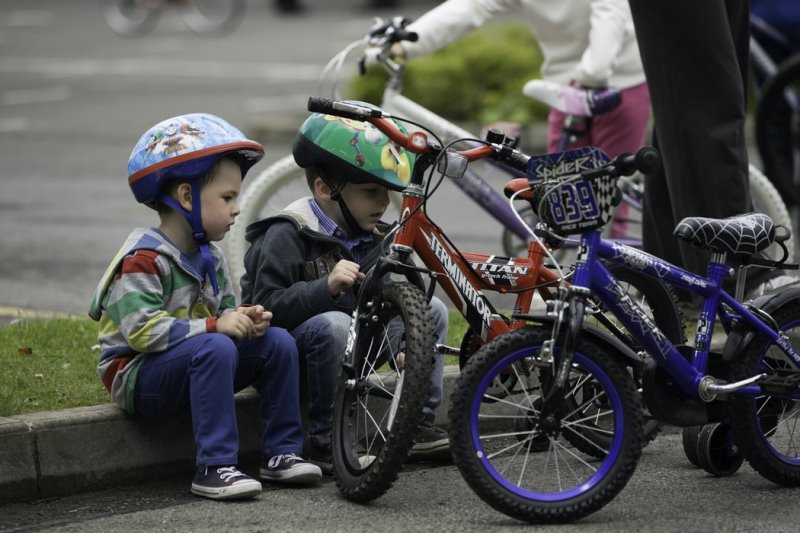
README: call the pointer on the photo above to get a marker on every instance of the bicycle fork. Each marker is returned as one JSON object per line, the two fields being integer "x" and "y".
{"x": 567, "y": 310}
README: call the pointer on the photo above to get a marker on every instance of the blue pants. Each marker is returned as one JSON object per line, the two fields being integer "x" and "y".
{"x": 203, "y": 373}
{"x": 322, "y": 339}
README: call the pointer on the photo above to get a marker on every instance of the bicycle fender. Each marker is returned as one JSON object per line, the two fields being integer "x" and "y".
{"x": 615, "y": 346}
{"x": 741, "y": 336}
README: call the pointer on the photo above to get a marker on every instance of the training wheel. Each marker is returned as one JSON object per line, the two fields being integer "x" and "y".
{"x": 691, "y": 435}
{"x": 717, "y": 452}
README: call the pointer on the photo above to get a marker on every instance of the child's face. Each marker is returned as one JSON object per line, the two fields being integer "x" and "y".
{"x": 367, "y": 202}
{"x": 219, "y": 199}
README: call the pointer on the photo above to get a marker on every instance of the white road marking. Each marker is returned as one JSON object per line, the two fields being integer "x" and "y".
{"x": 27, "y": 18}
{"x": 10, "y": 125}
{"x": 267, "y": 104}
{"x": 58, "y": 93}
{"x": 141, "y": 67}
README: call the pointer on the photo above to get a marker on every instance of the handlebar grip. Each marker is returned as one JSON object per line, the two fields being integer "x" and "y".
{"x": 410, "y": 36}
{"x": 645, "y": 160}
{"x": 318, "y": 104}
{"x": 394, "y": 30}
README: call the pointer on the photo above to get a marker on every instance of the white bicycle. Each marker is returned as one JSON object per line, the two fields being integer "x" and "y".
{"x": 283, "y": 181}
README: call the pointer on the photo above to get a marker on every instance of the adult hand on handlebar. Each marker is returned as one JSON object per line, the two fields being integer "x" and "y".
{"x": 397, "y": 51}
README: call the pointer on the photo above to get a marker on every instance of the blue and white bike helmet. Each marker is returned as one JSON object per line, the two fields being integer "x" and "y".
{"x": 185, "y": 148}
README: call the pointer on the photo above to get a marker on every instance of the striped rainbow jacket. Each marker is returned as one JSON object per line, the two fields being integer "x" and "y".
{"x": 149, "y": 300}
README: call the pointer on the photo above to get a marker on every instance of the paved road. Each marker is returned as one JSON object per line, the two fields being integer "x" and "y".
{"x": 666, "y": 494}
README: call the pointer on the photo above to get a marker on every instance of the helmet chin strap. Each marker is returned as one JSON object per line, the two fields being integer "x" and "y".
{"x": 336, "y": 196}
{"x": 195, "y": 220}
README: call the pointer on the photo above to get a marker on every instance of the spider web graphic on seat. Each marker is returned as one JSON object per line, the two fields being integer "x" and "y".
{"x": 743, "y": 234}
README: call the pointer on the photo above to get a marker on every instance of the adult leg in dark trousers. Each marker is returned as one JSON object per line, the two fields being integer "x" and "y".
{"x": 695, "y": 57}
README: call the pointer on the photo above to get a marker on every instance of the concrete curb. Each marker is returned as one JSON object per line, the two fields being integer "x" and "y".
{"x": 86, "y": 448}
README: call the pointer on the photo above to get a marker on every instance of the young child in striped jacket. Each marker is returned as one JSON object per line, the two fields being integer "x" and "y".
{"x": 171, "y": 335}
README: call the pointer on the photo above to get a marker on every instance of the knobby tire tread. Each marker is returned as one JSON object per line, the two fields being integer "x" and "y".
{"x": 375, "y": 480}
{"x": 746, "y": 427}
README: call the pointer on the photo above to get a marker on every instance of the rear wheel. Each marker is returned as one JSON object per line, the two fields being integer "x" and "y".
{"x": 778, "y": 129}
{"x": 765, "y": 426}
{"x": 382, "y": 389}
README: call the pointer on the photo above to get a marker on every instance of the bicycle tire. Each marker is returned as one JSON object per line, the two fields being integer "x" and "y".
{"x": 207, "y": 17}
{"x": 767, "y": 200}
{"x": 717, "y": 452}
{"x": 689, "y": 437}
{"x": 494, "y": 461}
{"x": 131, "y": 18}
{"x": 778, "y": 130}
{"x": 374, "y": 418}
{"x": 765, "y": 427}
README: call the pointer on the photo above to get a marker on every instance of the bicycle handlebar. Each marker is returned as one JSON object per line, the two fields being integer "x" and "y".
{"x": 645, "y": 160}
{"x": 417, "y": 141}
{"x": 317, "y": 104}
{"x": 392, "y": 32}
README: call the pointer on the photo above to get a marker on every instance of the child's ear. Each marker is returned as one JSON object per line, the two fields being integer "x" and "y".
{"x": 321, "y": 189}
{"x": 184, "y": 196}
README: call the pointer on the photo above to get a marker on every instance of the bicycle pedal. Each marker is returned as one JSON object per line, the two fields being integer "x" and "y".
{"x": 781, "y": 382}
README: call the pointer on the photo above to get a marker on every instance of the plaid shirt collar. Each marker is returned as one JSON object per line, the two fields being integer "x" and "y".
{"x": 331, "y": 229}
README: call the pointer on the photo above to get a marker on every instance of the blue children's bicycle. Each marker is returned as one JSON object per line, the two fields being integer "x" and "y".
{"x": 567, "y": 437}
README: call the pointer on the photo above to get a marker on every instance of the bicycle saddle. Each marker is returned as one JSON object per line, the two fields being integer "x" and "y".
{"x": 739, "y": 235}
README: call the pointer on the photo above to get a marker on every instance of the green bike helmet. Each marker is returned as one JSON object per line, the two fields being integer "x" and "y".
{"x": 351, "y": 150}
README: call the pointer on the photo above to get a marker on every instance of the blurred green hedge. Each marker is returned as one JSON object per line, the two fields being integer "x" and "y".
{"x": 477, "y": 79}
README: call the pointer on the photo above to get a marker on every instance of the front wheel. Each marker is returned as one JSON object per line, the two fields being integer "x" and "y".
{"x": 519, "y": 454}
{"x": 765, "y": 426}
{"x": 382, "y": 389}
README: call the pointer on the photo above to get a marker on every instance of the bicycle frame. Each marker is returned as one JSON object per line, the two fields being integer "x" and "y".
{"x": 464, "y": 275}
{"x": 690, "y": 376}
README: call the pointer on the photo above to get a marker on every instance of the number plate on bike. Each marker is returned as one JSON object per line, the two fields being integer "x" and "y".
{"x": 566, "y": 201}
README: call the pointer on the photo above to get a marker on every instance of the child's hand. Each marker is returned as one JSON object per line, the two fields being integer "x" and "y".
{"x": 343, "y": 275}
{"x": 236, "y": 325}
{"x": 260, "y": 317}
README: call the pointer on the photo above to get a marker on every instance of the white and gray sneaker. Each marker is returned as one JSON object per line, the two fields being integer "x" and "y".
{"x": 224, "y": 483}
{"x": 290, "y": 468}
